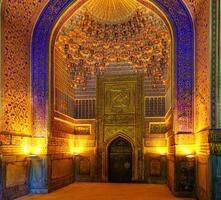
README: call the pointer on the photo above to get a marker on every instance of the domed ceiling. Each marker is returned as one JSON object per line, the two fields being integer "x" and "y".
{"x": 112, "y": 11}
{"x": 123, "y": 37}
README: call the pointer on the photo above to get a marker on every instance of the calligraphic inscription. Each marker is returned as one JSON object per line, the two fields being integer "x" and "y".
{"x": 158, "y": 128}
{"x": 82, "y": 130}
{"x": 119, "y": 119}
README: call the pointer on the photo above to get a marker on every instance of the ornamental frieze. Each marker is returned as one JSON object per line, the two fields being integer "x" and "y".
{"x": 119, "y": 119}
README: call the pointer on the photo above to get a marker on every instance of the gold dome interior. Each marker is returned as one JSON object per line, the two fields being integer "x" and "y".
{"x": 112, "y": 11}
{"x": 88, "y": 48}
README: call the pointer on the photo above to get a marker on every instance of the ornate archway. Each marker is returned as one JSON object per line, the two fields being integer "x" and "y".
{"x": 178, "y": 18}
{"x": 181, "y": 22}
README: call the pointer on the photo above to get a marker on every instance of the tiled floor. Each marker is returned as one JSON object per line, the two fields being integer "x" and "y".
{"x": 108, "y": 191}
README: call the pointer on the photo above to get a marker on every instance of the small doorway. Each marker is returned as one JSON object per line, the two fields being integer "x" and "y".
{"x": 120, "y": 161}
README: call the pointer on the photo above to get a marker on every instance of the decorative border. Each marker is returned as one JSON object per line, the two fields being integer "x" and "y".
{"x": 215, "y": 141}
{"x": 215, "y": 64}
{"x": 181, "y": 21}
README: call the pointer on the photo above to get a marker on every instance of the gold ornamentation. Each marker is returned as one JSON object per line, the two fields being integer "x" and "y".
{"x": 119, "y": 98}
{"x": 19, "y": 18}
{"x": 111, "y": 131}
{"x": 82, "y": 130}
{"x": 88, "y": 46}
{"x": 119, "y": 119}
{"x": 112, "y": 11}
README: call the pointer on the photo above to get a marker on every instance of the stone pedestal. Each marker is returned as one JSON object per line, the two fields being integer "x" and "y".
{"x": 38, "y": 175}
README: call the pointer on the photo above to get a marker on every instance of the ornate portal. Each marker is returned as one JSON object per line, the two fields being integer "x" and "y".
{"x": 120, "y": 114}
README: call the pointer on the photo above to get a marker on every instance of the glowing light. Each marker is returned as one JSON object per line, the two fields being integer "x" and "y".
{"x": 77, "y": 147}
{"x": 71, "y": 147}
{"x": 32, "y": 155}
{"x": 156, "y": 150}
{"x": 190, "y": 156}
{"x": 26, "y": 145}
{"x": 33, "y": 146}
{"x": 39, "y": 146}
{"x": 185, "y": 149}
{"x": 78, "y": 150}
{"x": 162, "y": 150}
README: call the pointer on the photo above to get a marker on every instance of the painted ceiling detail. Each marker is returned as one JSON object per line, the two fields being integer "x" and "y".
{"x": 112, "y": 11}
{"x": 142, "y": 44}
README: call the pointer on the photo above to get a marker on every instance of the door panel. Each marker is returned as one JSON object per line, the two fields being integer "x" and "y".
{"x": 120, "y": 161}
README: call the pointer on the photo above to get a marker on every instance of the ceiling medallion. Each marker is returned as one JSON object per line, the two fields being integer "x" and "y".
{"x": 89, "y": 46}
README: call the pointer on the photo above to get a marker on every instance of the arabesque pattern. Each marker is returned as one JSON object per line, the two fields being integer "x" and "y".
{"x": 15, "y": 40}
{"x": 18, "y": 20}
{"x": 184, "y": 62}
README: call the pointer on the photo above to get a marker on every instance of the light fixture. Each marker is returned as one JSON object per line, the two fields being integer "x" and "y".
{"x": 32, "y": 155}
{"x": 190, "y": 156}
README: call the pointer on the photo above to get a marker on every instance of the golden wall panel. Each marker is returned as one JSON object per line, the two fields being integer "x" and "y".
{"x": 61, "y": 168}
{"x": 16, "y": 173}
{"x": 18, "y": 21}
{"x": 202, "y": 71}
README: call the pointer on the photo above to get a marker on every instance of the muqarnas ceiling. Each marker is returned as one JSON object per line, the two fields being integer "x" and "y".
{"x": 93, "y": 47}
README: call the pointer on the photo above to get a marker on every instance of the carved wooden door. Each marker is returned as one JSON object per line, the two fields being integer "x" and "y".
{"x": 120, "y": 161}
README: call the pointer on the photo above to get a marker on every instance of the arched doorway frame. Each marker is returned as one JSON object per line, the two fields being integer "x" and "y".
{"x": 133, "y": 154}
{"x": 181, "y": 21}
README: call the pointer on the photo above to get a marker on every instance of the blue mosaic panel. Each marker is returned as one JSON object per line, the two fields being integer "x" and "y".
{"x": 184, "y": 61}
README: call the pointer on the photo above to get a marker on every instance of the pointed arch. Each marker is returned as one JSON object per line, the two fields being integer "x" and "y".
{"x": 117, "y": 136}
{"x": 120, "y": 156}
{"x": 182, "y": 24}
